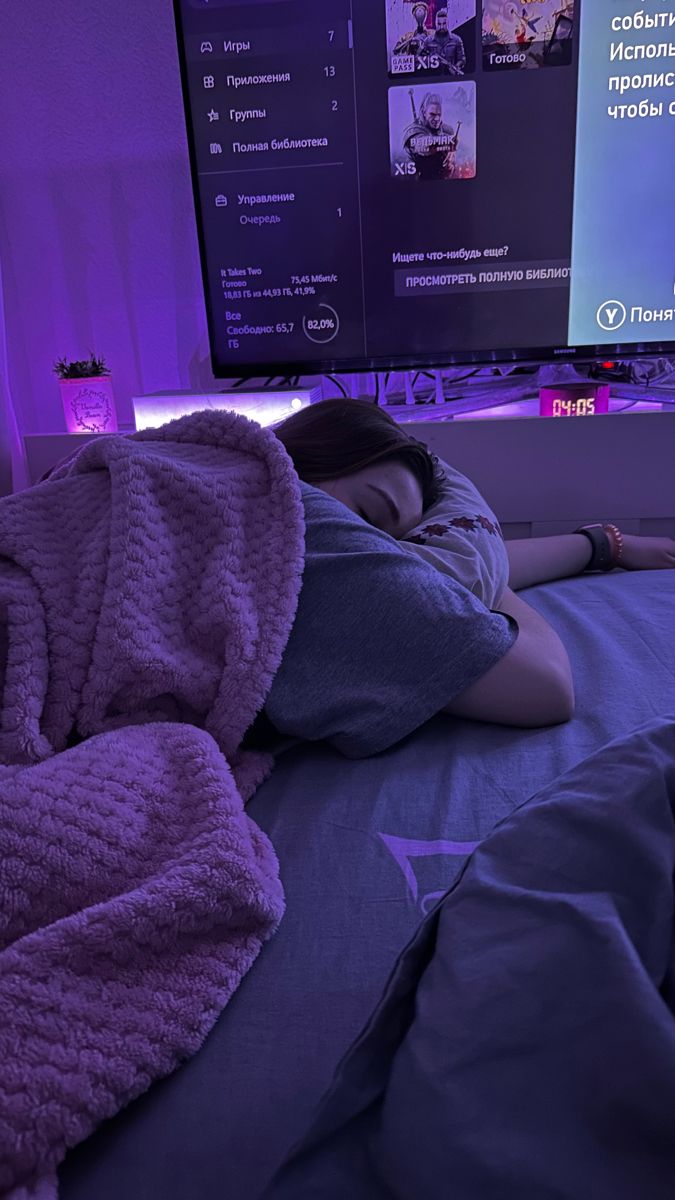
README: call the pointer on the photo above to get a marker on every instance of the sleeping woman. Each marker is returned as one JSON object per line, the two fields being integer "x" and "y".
{"x": 408, "y": 605}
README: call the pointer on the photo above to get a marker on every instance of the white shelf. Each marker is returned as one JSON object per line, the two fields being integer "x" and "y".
{"x": 539, "y": 475}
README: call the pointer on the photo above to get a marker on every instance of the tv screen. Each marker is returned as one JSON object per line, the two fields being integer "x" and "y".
{"x": 384, "y": 183}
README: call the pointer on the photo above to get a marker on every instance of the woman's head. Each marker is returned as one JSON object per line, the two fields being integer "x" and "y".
{"x": 355, "y": 451}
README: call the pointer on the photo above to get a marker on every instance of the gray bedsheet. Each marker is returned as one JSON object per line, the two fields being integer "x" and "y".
{"x": 525, "y": 1047}
{"x": 365, "y": 850}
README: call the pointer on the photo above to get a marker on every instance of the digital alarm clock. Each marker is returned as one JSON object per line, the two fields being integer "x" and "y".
{"x": 574, "y": 400}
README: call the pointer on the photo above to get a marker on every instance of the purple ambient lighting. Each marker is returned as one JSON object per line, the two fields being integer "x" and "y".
{"x": 264, "y": 407}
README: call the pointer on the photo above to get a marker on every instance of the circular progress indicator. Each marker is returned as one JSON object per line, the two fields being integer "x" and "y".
{"x": 321, "y": 324}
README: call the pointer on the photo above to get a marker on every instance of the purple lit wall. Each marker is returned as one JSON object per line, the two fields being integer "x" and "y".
{"x": 98, "y": 247}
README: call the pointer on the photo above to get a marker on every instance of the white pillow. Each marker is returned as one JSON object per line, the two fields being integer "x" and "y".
{"x": 461, "y": 536}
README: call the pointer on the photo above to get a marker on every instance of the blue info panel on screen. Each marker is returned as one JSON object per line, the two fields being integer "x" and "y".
{"x": 623, "y": 241}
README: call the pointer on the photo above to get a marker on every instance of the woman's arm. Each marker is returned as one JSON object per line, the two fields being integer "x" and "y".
{"x": 537, "y": 560}
{"x": 532, "y": 685}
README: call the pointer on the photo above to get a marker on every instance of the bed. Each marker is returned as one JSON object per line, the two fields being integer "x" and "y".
{"x": 366, "y": 849}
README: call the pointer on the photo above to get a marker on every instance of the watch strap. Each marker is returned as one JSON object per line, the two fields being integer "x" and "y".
{"x": 603, "y": 548}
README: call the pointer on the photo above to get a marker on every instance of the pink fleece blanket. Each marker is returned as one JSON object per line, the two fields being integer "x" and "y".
{"x": 147, "y": 592}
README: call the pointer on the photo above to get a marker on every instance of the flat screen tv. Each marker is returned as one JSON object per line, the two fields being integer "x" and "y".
{"x": 384, "y": 183}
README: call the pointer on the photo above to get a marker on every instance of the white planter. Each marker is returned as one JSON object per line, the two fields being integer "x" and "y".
{"x": 89, "y": 405}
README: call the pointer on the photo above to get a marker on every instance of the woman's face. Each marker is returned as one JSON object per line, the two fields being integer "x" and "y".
{"x": 387, "y": 495}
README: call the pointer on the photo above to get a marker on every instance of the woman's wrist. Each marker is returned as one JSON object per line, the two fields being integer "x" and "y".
{"x": 616, "y": 540}
{"x": 589, "y": 551}
{"x": 607, "y": 542}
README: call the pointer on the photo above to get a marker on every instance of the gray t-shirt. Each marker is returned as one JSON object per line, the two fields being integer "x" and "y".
{"x": 381, "y": 640}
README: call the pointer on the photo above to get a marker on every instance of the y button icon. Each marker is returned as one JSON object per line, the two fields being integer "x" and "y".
{"x": 611, "y": 315}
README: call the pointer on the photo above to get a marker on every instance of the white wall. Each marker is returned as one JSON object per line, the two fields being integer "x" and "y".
{"x": 97, "y": 232}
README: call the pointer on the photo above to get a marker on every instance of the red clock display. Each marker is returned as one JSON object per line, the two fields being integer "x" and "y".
{"x": 583, "y": 407}
{"x": 574, "y": 401}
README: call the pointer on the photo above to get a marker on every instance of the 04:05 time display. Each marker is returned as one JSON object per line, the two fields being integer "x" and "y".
{"x": 583, "y": 407}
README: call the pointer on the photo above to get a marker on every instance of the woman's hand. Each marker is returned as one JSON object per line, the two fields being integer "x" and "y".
{"x": 647, "y": 553}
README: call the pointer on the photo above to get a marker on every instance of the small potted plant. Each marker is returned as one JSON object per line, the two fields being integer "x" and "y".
{"x": 87, "y": 395}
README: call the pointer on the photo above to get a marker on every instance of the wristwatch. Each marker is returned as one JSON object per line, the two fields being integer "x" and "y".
{"x": 607, "y": 543}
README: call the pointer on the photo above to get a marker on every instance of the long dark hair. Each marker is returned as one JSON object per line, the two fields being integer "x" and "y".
{"x": 339, "y": 437}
